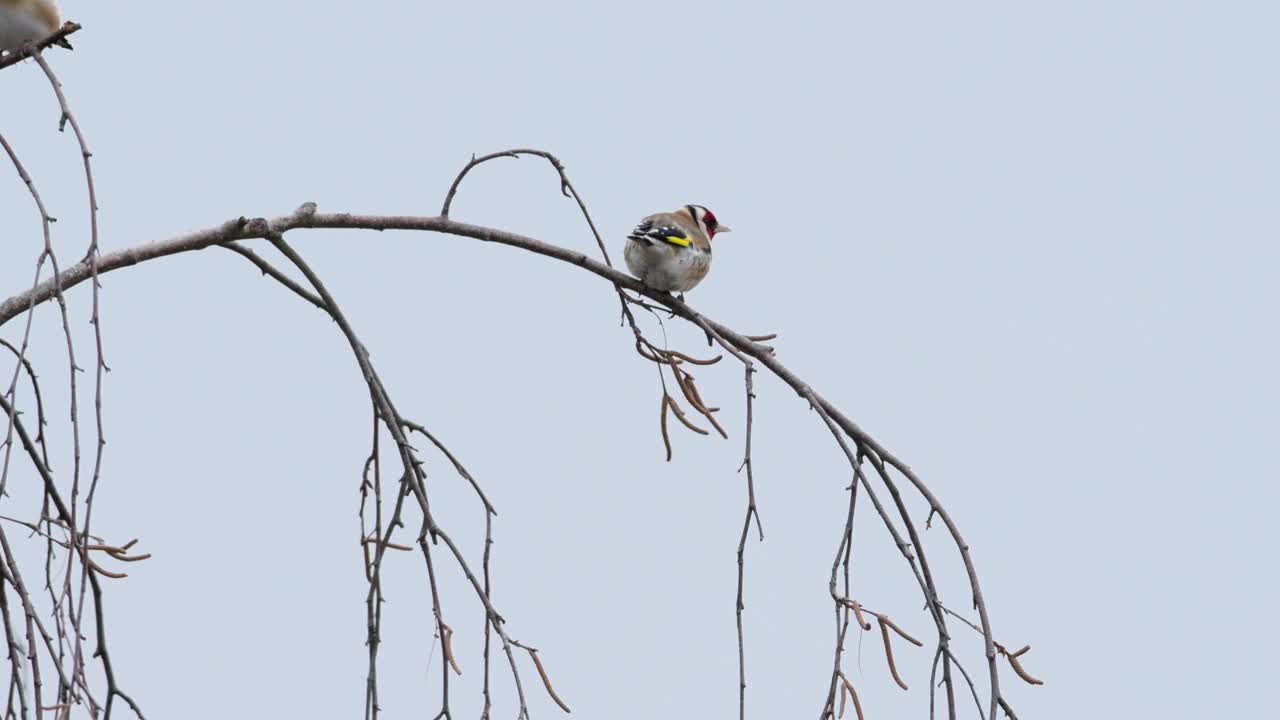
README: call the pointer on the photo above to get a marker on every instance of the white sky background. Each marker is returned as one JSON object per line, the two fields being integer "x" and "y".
{"x": 1031, "y": 250}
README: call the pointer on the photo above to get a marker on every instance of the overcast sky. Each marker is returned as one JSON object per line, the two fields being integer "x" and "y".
{"x": 1031, "y": 247}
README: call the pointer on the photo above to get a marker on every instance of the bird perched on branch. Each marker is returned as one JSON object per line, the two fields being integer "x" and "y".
{"x": 24, "y": 21}
{"x": 671, "y": 251}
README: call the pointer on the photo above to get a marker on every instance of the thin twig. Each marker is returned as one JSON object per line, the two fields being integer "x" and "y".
{"x": 58, "y": 37}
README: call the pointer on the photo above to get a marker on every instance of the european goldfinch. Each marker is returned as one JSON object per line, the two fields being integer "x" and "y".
{"x": 671, "y": 251}
{"x": 24, "y": 21}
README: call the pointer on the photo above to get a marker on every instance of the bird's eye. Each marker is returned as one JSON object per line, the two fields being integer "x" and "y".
{"x": 710, "y": 220}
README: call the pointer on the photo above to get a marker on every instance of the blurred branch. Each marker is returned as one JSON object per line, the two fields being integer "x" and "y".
{"x": 59, "y": 38}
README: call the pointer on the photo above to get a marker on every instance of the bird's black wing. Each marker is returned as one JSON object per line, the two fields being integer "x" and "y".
{"x": 647, "y": 234}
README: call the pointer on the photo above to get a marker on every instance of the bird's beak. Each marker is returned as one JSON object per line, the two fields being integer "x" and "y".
{"x": 723, "y": 229}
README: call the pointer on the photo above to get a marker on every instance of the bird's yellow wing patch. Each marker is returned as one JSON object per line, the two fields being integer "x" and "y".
{"x": 677, "y": 240}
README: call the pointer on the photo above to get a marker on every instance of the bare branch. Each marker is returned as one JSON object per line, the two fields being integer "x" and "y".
{"x": 747, "y": 349}
{"x": 270, "y": 270}
{"x": 59, "y": 37}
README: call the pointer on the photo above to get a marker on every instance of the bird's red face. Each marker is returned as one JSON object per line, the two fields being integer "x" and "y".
{"x": 708, "y": 220}
{"x": 713, "y": 225}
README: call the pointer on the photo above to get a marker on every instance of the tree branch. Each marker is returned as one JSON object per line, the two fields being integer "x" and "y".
{"x": 739, "y": 345}
{"x": 59, "y": 37}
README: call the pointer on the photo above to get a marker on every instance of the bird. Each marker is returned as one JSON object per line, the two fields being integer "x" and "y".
{"x": 25, "y": 21}
{"x": 671, "y": 251}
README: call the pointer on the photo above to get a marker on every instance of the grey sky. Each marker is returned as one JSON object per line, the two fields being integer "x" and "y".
{"x": 1031, "y": 248}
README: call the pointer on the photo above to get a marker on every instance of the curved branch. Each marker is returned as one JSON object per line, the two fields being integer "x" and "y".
{"x": 566, "y": 187}
{"x": 737, "y": 344}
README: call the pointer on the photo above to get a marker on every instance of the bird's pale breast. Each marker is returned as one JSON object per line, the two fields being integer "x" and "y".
{"x": 666, "y": 267}
{"x": 20, "y": 24}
